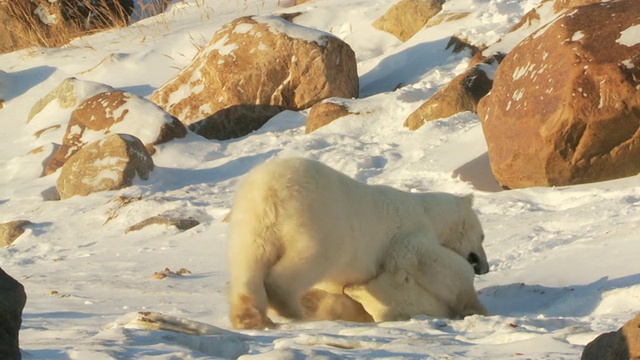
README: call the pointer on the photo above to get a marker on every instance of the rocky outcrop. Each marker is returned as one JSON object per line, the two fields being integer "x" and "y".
{"x": 623, "y": 344}
{"x": 323, "y": 113}
{"x": 253, "y": 68}
{"x": 108, "y": 164}
{"x": 461, "y": 94}
{"x": 12, "y": 301}
{"x": 564, "y": 108}
{"x": 115, "y": 112}
{"x": 407, "y": 17}
{"x": 10, "y": 231}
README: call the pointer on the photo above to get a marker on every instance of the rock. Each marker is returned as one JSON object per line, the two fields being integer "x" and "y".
{"x": 324, "y": 113}
{"x": 617, "y": 345}
{"x": 115, "y": 112}
{"x": 68, "y": 95}
{"x": 406, "y": 18}
{"x": 564, "y": 108}
{"x": 458, "y": 44}
{"x": 461, "y": 94}
{"x": 108, "y": 164}
{"x": 180, "y": 224}
{"x": 12, "y": 301}
{"x": 560, "y": 5}
{"x": 11, "y": 230}
{"x": 50, "y": 115}
{"x": 253, "y": 68}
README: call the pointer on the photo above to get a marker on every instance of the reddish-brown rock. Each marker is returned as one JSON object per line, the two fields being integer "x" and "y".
{"x": 108, "y": 164}
{"x": 253, "y": 68}
{"x": 623, "y": 344}
{"x": 560, "y": 5}
{"x": 565, "y": 103}
{"x": 115, "y": 112}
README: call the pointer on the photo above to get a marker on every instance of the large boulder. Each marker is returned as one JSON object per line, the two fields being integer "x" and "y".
{"x": 253, "y": 68}
{"x": 407, "y": 17}
{"x": 564, "y": 108}
{"x": 115, "y": 112}
{"x": 108, "y": 164}
{"x": 623, "y": 344}
{"x": 12, "y": 301}
{"x": 461, "y": 94}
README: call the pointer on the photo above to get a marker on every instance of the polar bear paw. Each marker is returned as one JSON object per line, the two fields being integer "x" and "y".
{"x": 246, "y": 315}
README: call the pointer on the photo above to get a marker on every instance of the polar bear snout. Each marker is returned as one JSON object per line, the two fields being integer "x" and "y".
{"x": 480, "y": 265}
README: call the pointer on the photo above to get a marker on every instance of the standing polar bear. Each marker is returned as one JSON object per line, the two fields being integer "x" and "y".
{"x": 297, "y": 225}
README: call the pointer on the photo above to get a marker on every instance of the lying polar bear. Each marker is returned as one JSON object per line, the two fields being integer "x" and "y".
{"x": 438, "y": 282}
{"x": 298, "y": 224}
{"x": 435, "y": 282}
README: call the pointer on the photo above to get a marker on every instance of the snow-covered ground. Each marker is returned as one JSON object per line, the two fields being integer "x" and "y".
{"x": 563, "y": 260}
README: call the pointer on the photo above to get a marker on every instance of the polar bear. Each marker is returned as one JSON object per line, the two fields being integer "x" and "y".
{"x": 297, "y": 224}
{"x": 435, "y": 282}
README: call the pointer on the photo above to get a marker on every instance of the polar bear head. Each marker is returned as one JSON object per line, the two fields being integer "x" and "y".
{"x": 458, "y": 227}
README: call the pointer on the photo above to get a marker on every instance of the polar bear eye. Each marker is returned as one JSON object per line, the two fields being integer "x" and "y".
{"x": 473, "y": 258}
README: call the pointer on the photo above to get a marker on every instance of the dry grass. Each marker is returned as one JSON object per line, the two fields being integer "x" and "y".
{"x": 21, "y": 26}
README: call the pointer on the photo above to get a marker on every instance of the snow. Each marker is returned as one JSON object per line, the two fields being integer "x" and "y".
{"x": 630, "y": 36}
{"x": 563, "y": 260}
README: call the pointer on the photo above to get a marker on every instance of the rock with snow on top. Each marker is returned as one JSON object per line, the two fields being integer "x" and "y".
{"x": 108, "y": 164}
{"x": 325, "y": 112}
{"x": 49, "y": 116}
{"x": 407, "y": 17}
{"x": 461, "y": 94}
{"x": 115, "y": 112}
{"x": 253, "y": 68}
{"x": 564, "y": 108}
{"x": 68, "y": 95}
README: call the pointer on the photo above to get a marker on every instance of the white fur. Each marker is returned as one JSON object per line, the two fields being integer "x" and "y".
{"x": 297, "y": 223}
{"x": 434, "y": 281}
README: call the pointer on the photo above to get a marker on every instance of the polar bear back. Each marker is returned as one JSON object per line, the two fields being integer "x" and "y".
{"x": 308, "y": 208}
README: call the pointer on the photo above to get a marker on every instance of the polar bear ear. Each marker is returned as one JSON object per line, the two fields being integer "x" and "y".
{"x": 469, "y": 198}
